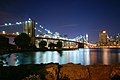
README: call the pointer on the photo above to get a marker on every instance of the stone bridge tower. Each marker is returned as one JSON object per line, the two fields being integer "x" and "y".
{"x": 29, "y": 28}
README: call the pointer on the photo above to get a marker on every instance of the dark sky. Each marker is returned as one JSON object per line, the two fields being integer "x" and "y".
{"x": 68, "y": 17}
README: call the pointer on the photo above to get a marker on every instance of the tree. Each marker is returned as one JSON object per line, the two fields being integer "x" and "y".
{"x": 4, "y": 43}
{"x": 22, "y": 40}
{"x": 59, "y": 45}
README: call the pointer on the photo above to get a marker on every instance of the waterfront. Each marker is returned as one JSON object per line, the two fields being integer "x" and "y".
{"x": 79, "y": 56}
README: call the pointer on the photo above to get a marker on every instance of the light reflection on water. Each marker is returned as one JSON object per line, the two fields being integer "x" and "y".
{"x": 80, "y": 56}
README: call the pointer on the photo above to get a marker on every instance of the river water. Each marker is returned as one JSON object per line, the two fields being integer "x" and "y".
{"x": 79, "y": 56}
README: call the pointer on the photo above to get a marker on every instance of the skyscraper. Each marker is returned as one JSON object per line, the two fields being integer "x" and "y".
{"x": 103, "y": 35}
{"x": 86, "y": 37}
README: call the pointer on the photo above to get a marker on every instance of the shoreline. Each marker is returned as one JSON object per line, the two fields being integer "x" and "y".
{"x": 35, "y": 50}
{"x": 38, "y": 49}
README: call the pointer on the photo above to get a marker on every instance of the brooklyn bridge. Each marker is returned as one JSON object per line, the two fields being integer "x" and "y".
{"x": 31, "y": 27}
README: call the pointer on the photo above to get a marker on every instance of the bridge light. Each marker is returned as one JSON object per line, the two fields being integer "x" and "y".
{"x": 17, "y": 23}
{"x": 35, "y": 28}
{"x": 48, "y": 31}
{"x": 9, "y": 24}
{"x": 36, "y": 23}
{"x": 29, "y": 34}
{"x": 51, "y": 33}
{"x": 104, "y": 31}
{"x": 20, "y": 22}
{"x": 25, "y": 21}
{"x": 5, "y": 24}
{"x": 39, "y": 31}
{"x": 41, "y": 26}
{"x": 3, "y": 32}
{"x": 37, "y": 35}
{"x": 29, "y": 19}
{"x": 17, "y": 33}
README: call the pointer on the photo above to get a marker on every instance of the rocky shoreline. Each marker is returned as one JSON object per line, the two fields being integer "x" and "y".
{"x": 54, "y": 71}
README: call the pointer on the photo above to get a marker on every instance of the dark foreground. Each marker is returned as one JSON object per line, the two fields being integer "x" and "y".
{"x": 60, "y": 72}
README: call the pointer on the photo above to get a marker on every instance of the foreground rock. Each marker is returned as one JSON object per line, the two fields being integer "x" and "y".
{"x": 99, "y": 72}
{"x": 74, "y": 72}
{"x": 60, "y": 72}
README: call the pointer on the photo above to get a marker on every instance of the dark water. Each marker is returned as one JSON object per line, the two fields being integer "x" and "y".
{"x": 82, "y": 56}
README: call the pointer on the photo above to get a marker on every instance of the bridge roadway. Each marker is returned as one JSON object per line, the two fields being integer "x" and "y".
{"x": 39, "y": 37}
{"x": 80, "y": 45}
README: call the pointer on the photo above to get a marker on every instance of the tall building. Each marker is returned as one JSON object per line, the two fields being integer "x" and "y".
{"x": 86, "y": 37}
{"x": 29, "y": 28}
{"x": 103, "y": 35}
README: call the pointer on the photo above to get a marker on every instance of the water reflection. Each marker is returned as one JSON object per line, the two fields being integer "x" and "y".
{"x": 106, "y": 56}
{"x": 93, "y": 56}
{"x": 79, "y": 56}
{"x": 86, "y": 57}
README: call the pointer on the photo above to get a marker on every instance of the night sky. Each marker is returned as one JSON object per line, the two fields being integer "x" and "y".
{"x": 68, "y": 17}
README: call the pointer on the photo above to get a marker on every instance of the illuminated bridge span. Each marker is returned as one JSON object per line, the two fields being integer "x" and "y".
{"x": 66, "y": 42}
{"x": 38, "y": 33}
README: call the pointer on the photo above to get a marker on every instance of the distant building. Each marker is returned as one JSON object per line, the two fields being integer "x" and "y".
{"x": 103, "y": 36}
{"x": 87, "y": 38}
{"x": 56, "y": 35}
{"x": 108, "y": 42}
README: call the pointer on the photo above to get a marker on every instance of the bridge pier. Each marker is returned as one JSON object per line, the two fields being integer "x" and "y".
{"x": 80, "y": 45}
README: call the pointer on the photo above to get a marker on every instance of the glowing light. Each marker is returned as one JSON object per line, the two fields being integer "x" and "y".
{"x": 5, "y": 24}
{"x": 3, "y": 32}
{"x": 41, "y": 26}
{"x": 34, "y": 28}
{"x": 39, "y": 31}
{"x": 37, "y": 35}
{"x": 17, "y": 23}
{"x": 48, "y": 31}
{"x": 104, "y": 31}
{"x": 86, "y": 35}
{"x": 29, "y": 19}
{"x": 20, "y": 22}
{"x": 36, "y": 23}
{"x": 17, "y": 33}
{"x": 25, "y": 21}
{"x": 10, "y": 24}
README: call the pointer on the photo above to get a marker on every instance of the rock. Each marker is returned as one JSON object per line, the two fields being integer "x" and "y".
{"x": 52, "y": 71}
{"x": 73, "y": 72}
{"x": 115, "y": 70}
{"x": 99, "y": 72}
{"x": 60, "y": 72}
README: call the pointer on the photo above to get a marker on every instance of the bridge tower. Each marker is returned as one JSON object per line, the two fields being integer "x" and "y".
{"x": 29, "y": 28}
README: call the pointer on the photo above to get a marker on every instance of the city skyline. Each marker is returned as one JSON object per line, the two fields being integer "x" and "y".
{"x": 68, "y": 17}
